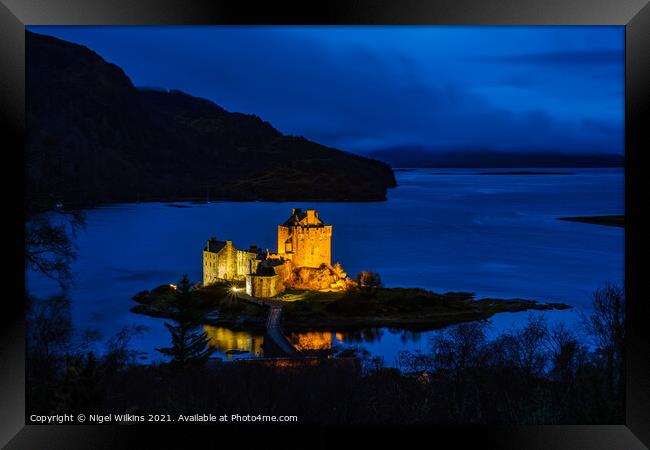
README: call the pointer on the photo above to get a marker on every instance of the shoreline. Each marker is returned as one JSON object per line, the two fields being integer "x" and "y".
{"x": 401, "y": 308}
{"x": 200, "y": 200}
{"x": 174, "y": 203}
{"x": 417, "y": 323}
{"x": 524, "y": 172}
{"x": 611, "y": 221}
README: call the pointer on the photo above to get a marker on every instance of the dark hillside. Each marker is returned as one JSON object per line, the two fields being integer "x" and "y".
{"x": 93, "y": 137}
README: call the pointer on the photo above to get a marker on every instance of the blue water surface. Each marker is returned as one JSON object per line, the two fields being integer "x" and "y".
{"x": 441, "y": 229}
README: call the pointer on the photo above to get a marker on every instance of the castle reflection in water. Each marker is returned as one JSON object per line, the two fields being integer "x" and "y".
{"x": 226, "y": 341}
{"x": 230, "y": 342}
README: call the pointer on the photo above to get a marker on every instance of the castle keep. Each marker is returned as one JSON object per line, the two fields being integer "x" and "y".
{"x": 303, "y": 259}
{"x": 305, "y": 239}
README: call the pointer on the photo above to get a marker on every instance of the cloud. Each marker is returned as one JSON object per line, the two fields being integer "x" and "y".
{"x": 357, "y": 95}
{"x": 597, "y": 57}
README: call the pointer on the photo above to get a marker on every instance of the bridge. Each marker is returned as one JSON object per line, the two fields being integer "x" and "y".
{"x": 275, "y": 342}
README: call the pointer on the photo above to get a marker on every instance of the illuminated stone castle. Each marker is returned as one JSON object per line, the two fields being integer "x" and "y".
{"x": 305, "y": 239}
{"x": 303, "y": 259}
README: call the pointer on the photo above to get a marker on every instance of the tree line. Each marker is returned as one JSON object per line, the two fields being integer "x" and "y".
{"x": 538, "y": 374}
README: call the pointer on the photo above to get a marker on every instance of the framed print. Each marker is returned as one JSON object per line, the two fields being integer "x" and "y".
{"x": 231, "y": 217}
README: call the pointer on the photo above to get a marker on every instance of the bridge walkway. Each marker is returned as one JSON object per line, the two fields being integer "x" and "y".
{"x": 275, "y": 342}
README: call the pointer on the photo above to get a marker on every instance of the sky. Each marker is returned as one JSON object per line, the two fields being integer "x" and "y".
{"x": 369, "y": 88}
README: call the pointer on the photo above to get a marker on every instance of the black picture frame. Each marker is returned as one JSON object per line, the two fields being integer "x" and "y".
{"x": 633, "y": 14}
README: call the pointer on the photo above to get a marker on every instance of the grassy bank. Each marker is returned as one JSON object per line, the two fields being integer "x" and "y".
{"x": 217, "y": 302}
{"x": 395, "y": 307}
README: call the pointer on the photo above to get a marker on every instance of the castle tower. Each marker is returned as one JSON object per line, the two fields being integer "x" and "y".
{"x": 305, "y": 239}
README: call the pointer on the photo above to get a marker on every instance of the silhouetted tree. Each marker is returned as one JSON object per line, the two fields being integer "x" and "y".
{"x": 119, "y": 354}
{"x": 49, "y": 327}
{"x": 529, "y": 346}
{"x": 458, "y": 352}
{"x": 80, "y": 389}
{"x": 48, "y": 334}
{"x": 49, "y": 249}
{"x": 368, "y": 282}
{"x": 606, "y": 324}
{"x": 189, "y": 345}
{"x": 564, "y": 351}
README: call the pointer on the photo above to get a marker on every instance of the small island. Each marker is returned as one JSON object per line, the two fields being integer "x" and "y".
{"x": 254, "y": 290}
{"x": 612, "y": 221}
{"x": 225, "y": 305}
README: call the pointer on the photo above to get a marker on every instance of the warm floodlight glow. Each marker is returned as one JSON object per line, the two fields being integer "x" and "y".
{"x": 235, "y": 289}
{"x": 173, "y": 286}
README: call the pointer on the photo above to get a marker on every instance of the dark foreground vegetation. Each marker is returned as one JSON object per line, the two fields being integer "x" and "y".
{"x": 534, "y": 375}
{"x": 93, "y": 137}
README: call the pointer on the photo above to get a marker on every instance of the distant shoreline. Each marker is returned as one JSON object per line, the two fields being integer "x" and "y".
{"x": 523, "y": 172}
{"x": 428, "y": 157}
{"x": 612, "y": 221}
{"x": 177, "y": 202}
{"x": 504, "y": 168}
{"x": 526, "y": 173}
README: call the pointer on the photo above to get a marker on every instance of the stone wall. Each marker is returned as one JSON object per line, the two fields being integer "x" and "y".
{"x": 284, "y": 271}
{"x": 306, "y": 246}
{"x": 312, "y": 246}
{"x": 229, "y": 263}
{"x": 284, "y": 243}
{"x": 266, "y": 285}
{"x": 263, "y": 286}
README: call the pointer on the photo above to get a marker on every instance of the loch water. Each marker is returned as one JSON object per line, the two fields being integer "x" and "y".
{"x": 440, "y": 229}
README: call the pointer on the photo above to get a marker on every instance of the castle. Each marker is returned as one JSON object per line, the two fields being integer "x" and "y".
{"x": 303, "y": 259}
